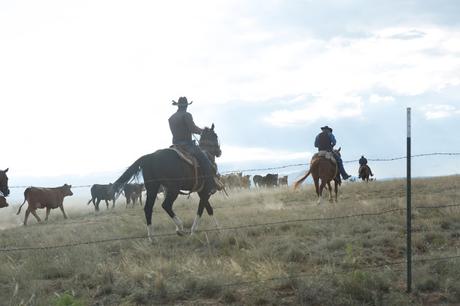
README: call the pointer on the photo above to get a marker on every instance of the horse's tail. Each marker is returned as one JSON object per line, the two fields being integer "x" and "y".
{"x": 132, "y": 170}
{"x": 25, "y": 199}
{"x": 300, "y": 181}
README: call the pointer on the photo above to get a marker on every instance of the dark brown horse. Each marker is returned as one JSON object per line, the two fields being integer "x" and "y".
{"x": 4, "y": 183}
{"x": 365, "y": 172}
{"x": 326, "y": 170}
{"x": 165, "y": 167}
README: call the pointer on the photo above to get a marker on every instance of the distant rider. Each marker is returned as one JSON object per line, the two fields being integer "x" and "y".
{"x": 362, "y": 163}
{"x": 325, "y": 141}
{"x": 182, "y": 127}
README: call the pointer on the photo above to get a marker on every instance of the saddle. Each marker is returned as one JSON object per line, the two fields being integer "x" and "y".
{"x": 188, "y": 157}
{"x": 185, "y": 155}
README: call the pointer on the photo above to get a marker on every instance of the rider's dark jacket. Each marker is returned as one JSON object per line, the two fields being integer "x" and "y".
{"x": 182, "y": 127}
{"x": 325, "y": 141}
{"x": 362, "y": 161}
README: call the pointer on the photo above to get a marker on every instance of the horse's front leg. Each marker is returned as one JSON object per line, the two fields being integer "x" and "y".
{"x": 171, "y": 196}
{"x": 199, "y": 213}
{"x": 204, "y": 203}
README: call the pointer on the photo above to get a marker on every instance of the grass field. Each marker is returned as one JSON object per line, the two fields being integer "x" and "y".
{"x": 338, "y": 261}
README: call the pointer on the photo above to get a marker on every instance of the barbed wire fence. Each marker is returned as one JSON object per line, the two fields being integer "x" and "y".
{"x": 267, "y": 224}
{"x": 9, "y": 249}
{"x": 291, "y": 166}
{"x": 222, "y": 229}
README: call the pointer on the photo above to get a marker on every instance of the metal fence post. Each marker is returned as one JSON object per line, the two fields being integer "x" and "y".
{"x": 408, "y": 205}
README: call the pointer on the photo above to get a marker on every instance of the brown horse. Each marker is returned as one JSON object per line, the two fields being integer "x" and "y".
{"x": 365, "y": 172}
{"x": 326, "y": 170}
{"x": 4, "y": 183}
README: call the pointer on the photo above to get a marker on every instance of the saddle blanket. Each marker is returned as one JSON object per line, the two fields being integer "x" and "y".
{"x": 325, "y": 154}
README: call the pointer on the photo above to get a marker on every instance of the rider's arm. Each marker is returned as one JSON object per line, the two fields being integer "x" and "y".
{"x": 191, "y": 125}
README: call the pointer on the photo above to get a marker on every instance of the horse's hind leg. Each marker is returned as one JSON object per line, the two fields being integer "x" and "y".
{"x": 171, "y": 196}
{"x": 316, "y": 181}
{"x": 336, "y": 188}
{"x": 152, "y": 191}
{"x": 321, "y": 187}
{"x": 329, "y": 187}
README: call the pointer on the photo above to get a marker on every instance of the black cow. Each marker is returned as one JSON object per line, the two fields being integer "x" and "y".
{"x": 133, "y": 192}
{"x": 257, "y": 180}
{"x": 102, "y": 192}
{"x": 270, "y": 180}
{"x": 283, "y": 181}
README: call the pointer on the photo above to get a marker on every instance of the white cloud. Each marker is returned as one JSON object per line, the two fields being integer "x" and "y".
{"x": 433, "y": 111}
{"x": 321, "y": 108}
{"x": 377, "y": 99}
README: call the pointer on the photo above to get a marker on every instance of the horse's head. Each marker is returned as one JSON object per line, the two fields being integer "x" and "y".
{"x": 209, "y": 141}
{"x": 4, "y": 183}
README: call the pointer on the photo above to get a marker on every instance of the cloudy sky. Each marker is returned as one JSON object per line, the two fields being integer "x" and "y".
{"x": 86, "y": 86}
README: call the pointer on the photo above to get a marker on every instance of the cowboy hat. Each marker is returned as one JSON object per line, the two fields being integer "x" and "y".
{"x": 182, "y": 102}
{"x": 326, "y": 128}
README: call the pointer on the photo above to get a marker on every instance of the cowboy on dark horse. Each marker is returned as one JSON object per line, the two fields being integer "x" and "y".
{"x": 182, "y": 127}
{"x": 325, "y": 141}
{"x": 362, "y": 164}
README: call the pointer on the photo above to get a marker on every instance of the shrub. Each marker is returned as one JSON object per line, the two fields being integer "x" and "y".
{"x": 67, "y": 300}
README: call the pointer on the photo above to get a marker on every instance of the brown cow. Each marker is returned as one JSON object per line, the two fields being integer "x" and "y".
{"x": 3, "y": 202}
{"x": 45, "y": 197}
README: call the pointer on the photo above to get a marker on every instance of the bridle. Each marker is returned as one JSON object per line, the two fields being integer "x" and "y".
{"x": 210, "y": 146}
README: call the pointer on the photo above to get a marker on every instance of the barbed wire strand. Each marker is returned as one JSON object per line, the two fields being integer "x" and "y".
{"x": 282, "y": 167}
{"x": 246, "y": 226}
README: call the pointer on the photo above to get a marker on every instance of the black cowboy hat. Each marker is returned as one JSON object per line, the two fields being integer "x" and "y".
{"x": 182, "y": 102}
{"x": 326, "y": 128}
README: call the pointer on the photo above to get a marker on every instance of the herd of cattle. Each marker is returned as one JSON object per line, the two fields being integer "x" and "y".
{"x": 238, "y": 180}
{"x": 51, "y": 198}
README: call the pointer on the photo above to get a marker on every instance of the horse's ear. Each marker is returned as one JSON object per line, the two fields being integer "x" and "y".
{"x": 6, "y": 170}
{"x": 212, "y": 127}
{"x": 340, "y": 148}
